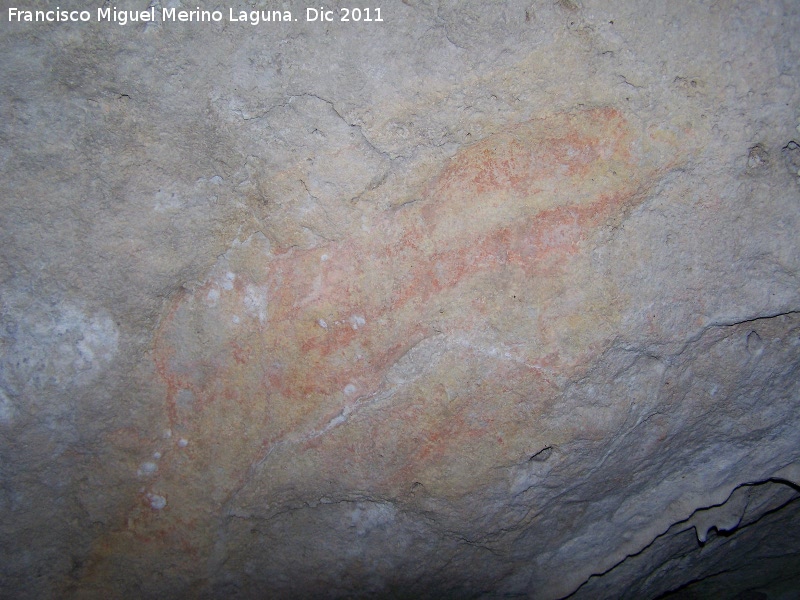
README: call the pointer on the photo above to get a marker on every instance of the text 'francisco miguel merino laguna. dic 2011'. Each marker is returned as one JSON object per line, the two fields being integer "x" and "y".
{"x": 253, "y": 17}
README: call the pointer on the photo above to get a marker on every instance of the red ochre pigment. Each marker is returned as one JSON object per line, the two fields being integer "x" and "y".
{"x": 281, "y": 350}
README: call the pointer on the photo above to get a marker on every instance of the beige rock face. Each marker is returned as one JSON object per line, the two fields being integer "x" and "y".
{"x": 478, "y": 301}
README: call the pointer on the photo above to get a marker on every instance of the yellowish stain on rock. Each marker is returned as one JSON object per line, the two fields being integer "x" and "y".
{"x": 293, "y": 372}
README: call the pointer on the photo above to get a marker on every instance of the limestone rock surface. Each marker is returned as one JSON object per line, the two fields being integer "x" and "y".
{"x": 482, "y": 300}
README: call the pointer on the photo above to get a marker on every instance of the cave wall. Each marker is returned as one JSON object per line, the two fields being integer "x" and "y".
{"x": 480, "y": 300}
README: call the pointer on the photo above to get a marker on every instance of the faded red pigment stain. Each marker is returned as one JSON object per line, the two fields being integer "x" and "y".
{"x": 337, "y": 317}
{"x": 273, "y": 347}
{"x": 446, "y": 435}
{"x": 340, "y": 315}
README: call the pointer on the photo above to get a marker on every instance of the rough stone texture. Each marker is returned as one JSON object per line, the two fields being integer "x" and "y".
{"x": 488, "y": 300}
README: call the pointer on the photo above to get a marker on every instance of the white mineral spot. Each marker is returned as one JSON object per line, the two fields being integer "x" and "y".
{"x": 235, "y": 319}
{"x": 368, "y": 516}
{"x": 97, "y": 344}
{"x": 156, "y": 502}
{"x": 336, "y": 421}
{"x": 255, "y": 302}
{"x": 165, "y": 201}
{"x": 156, "y": 455}
{"x": 212, "y": 296}
{"x": 322, "y": 323}
{"x": 147, "y": 468}
{"x": 350, "y": 389}
{"x": 183, "y": 442}
{"x": 229, "y": 278}
{"x": 324, "y": 257}
{"x": 357, "y": 321}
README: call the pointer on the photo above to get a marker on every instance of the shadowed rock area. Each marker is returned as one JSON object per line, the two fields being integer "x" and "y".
{"x": 444, "y": 300}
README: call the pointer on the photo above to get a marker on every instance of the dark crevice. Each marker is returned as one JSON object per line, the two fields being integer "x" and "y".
{"x": 688, "y": 584}
{"x": 727, "y": 533}
{"x": 542, "y": 455}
